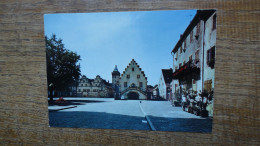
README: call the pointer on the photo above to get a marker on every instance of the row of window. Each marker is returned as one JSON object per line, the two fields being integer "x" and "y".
{"x": 197, "y": 35}
{"x": 183, "y": 48}
{"x": 128, "y": 76}
{"x": 210, "y": 58}
{"x": 190, "y": 59}
{"x": 140, "y": 84}
{"x": 87, "y": 85}
{"x": 88, "y": 90}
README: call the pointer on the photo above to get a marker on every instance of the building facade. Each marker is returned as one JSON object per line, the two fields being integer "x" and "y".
{"x": 97, "y": 87}
{"x": 194, "y": 55}
{"x": 132, "y": 82}
{"x": 164, "y": 83}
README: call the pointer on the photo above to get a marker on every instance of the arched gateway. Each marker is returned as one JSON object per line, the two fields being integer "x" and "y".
{"x": 133, "y": 95}
{"x": 132, "y": 83}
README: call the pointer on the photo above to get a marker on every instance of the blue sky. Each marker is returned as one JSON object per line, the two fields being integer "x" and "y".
{"x": 106, "y": 39}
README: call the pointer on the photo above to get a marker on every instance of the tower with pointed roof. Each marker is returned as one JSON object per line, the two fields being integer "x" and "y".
{"x": 115, "y": 77}
{"x": 115, "y": 82}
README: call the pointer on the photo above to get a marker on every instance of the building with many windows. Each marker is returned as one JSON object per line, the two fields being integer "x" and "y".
{"x": 97, "y": 87}
{"x": 194, "y": 55}
{"x": 132, "y": 82}
{"x": 164, "y": 83}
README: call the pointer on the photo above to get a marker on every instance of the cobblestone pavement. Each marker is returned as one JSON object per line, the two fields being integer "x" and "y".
{"x": 107, "y": 113}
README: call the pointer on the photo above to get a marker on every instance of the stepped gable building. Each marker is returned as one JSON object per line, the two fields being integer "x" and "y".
{"x": 132, "y": 82}
{"x": 97, "y": 87}
{"x": 194, "y": 54}
{"x": 164, "y": 83}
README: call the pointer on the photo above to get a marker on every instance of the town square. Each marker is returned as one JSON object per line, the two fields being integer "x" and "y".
{"x": 178, "y": 96}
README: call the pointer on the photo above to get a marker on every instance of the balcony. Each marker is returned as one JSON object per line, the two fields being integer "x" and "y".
{"x": 189, "y": 69}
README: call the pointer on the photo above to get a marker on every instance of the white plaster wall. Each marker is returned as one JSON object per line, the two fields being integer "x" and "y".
{"x": 191, "y": 48}
{"x": 162, "y": 87}
{"x": 210, "y": 35}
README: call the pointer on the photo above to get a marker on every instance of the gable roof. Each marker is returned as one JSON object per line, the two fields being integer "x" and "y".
{"x": 133, "y": 62}
{"x": 167, "y": 75}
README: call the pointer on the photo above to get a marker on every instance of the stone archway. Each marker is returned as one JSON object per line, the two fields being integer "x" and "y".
{"x": 132, "y": 96}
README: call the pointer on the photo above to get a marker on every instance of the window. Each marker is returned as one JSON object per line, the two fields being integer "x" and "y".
{"x": 81, "y": 84}
{"x": 125, "y": 84}
{"x": 88, "y": 90}
{"x": 128, "y": 76}
{"x": 133, "y": 69}
{"x": 214, "y": 22}
{"x": 211, "y": 57}
{"x": 86, "y": 85}
{"x": 84, "y": 90}
{"x": 190, "y": 58}
{"x": 197, "y": 56}
{"x": 140, "y": 84}
{"x": 191, "y": 36}
{"x": 208, "y": 85}
{"x": 79, "y": 90}
{"x": 138, "y": 76}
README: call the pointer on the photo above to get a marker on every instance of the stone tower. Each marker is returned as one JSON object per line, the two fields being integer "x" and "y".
{"x": 115, "y": 76}
{"x": 115, "y": 82}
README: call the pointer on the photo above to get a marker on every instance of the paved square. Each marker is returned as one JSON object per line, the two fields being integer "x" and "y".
{"x": 107, "y": 113}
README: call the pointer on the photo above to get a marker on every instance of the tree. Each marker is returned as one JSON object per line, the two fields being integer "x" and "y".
{"x": 62, "y": 65}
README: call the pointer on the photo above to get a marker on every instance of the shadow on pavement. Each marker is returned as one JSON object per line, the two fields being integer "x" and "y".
{"x": 102, "y": 120}
{"x": 97, "y": 120}
{"x": 182, "y": 124}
